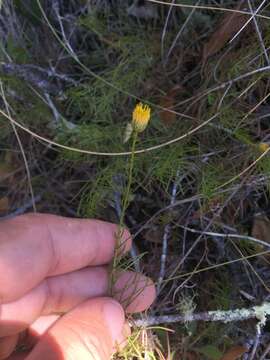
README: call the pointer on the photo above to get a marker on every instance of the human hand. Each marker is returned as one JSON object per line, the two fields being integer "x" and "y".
{"x": 51, "y": 265}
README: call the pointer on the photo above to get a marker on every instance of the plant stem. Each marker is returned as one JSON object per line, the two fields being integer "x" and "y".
{"x": 130, "y": 170}
{"x": 119, "y": 244}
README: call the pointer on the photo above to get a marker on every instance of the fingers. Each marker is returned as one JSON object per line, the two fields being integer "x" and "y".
{"x": 134, "y": 291}
{"x": 41, "y": 325}
{"x": 88, "y": 332}
{"x": 36, "y": 331}
{"x": 54, "y": 295}
{"x": 61, "y": 293}
{"x": 7, "y": 345}
{"x": 35, "y": 246}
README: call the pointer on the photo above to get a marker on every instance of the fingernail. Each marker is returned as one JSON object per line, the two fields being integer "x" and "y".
{"x": 115, "y": 318}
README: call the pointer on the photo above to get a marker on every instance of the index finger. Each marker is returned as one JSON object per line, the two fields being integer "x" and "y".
{"x": 35, "y": 246}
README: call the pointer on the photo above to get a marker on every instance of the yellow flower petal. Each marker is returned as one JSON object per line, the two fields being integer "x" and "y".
{"x": 140, "y": 117}
{"x": 263, "y": 147}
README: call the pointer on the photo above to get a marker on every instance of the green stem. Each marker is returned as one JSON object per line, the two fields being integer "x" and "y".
{"x": 130, "y": 171}
{"x": 119, "y": 244}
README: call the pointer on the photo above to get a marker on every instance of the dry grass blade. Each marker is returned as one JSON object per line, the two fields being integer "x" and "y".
{"x": 229, "y": 25}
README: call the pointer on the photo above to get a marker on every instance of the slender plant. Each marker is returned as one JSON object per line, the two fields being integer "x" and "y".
{"x": 140, "y": 118}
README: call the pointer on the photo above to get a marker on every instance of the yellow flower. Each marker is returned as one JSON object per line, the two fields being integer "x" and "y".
{"x": 263, "y": 147}
{"x": 140, "y": 117}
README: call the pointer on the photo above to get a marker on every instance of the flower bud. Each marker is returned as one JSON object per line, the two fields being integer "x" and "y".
{"x": 140, "y": 117}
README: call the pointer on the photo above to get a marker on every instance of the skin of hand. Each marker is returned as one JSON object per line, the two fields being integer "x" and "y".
{"x": 51, "y": 265}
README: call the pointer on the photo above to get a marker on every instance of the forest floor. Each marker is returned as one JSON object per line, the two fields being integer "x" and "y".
{"x": 72, "y": 73}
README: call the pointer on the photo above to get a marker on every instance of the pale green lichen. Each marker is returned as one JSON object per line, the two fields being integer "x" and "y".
{"x": 187, "y": 307}
{"x": 262, "y": 311}
{"x": 259, "y": 312}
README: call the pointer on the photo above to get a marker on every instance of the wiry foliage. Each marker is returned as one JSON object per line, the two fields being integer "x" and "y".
{"x": 73, "y": 71}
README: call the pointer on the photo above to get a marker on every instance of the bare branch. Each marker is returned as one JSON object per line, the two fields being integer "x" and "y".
{"x": 256, "y": 312}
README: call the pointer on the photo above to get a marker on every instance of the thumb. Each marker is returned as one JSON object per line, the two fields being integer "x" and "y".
{"x": 88, "y": 332}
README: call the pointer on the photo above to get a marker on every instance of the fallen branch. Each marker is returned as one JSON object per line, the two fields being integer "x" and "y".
{"x": 167, "y": 234}
{"x": 256, "y": 312}
{"x": 45, "y": 79}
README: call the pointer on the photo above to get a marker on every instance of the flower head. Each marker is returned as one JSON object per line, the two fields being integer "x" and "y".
{"x": 263, "y": 147}
{"x": 140, "y": 117}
